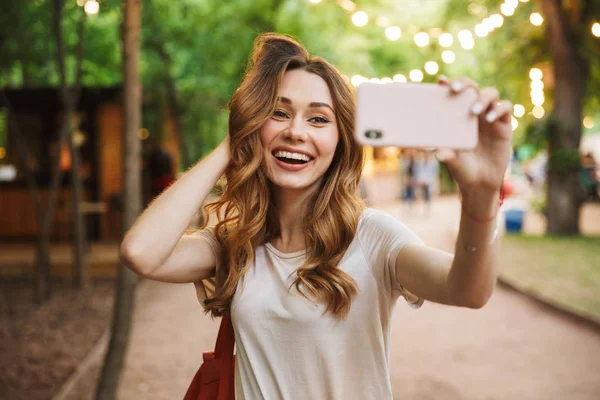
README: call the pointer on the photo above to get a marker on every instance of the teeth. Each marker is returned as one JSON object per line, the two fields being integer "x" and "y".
{"x": 294, "y": 156}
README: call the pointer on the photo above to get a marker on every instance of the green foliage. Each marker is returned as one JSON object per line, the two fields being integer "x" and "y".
{"x": 194, "y": 52}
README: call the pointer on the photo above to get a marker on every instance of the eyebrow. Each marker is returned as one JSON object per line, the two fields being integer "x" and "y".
{"x": 315, "y": 104}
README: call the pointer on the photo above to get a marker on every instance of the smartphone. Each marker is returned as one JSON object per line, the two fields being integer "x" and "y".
{"x": 415, "y": 115}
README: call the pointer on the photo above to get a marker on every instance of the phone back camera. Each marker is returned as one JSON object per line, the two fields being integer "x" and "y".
{"x": 373, "y": 134}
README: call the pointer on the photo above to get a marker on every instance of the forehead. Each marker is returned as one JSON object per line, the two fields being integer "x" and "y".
{"x": 304, "y": 87}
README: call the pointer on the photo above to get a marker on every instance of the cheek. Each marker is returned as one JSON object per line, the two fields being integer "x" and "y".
{"x": 268, "y": 132}
{"x": 327, "y": 143}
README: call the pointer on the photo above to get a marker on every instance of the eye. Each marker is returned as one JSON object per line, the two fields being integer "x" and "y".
{"x": 280, "y": 114}
{"x": 319, "y": 120}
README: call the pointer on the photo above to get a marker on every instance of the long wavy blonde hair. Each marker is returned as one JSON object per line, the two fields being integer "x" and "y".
{"x": 246, "y": 211}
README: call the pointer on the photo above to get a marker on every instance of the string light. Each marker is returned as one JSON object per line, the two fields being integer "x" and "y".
{"x": 431, "y": 67}
{"x": 497, "y": 20}
{"x": 448, "y": 56}
{"x": 399, "y": 78}
{"x": 536, "y": 19}
{"x": 445, "y": 39}
{"x": 536, "y": 74}
{"x": 416, "y": 75}
{"x": 596, "y": 29}
{"x": 347, "y": 5}
{"x": 360, "y": 18}
{"x": 91, "y": 7}
{"x": 422, "y": 39}
{"x": 315, "y": 1}
{"x": 386, "y": 80}
{"x": 588, "y": 122}
{"x": 514, "y": 123}
{"x": 393, "y": 32}
{"x": 538, "y": 111}
{"x": 518, "y": 110}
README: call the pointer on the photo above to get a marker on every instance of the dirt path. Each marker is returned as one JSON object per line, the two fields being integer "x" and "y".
{"x": 511, "y": 349}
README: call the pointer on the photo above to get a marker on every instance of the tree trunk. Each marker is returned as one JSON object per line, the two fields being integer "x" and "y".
{"x": 571, "y": 70}
{"x": 124, "y": 303}
{"x": 80, "y": 275}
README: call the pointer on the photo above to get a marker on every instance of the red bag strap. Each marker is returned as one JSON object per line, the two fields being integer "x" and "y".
{"x": 225, "y": 339}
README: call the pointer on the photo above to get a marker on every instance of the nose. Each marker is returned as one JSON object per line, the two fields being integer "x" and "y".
{"x": 296, "y": 130}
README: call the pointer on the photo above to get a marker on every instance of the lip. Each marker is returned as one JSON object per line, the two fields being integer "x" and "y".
{"x": 292, "y": 150}
{"x": 292, "y": 167}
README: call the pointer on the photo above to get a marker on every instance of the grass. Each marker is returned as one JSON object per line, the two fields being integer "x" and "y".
{"x": 564, "y": 271}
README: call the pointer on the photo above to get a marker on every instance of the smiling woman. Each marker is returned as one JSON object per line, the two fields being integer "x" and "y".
{"x": 303, "y": 270}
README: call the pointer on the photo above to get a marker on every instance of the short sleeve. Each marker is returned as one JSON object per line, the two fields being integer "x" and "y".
{"x": 381, "y": 237}
{"x": 205, "y": 288}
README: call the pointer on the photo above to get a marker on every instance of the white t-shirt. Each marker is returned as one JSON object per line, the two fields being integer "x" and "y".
{"x": 287, "y": 349}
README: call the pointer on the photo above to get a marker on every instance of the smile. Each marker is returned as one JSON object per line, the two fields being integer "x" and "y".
{"x": 292, "y": 161}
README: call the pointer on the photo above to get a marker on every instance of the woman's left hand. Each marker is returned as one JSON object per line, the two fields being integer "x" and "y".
{"x": 482, "y": 169}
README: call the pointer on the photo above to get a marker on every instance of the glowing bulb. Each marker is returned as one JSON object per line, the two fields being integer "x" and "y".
{"x": 507, "y": 10}
{"x": 512, "y": 3}
{"x": 588, "y": 122}
{"x": 481, "y": 30}
{"x": 536, "y": 74}
{"x": 91, "y": 7}
{"x": 538, "y": 111}
{"x": 514, "y": 122}
{"x": 537, "y": 100}
{"x": 386, "y": 80}
{"x": 422, "y": 39}
{"x": 518, "y": 110}
{"x": 488, "y": 24}
{"x": 399, "y": 78}
{"x": 465, "y": 35}
{"x": 375, "y": 80}
{"x": 448, "y": 56}
{"x": 467, "y": 44}
{"x": 360, "y": 18}
{"x": 315, "y": 1}
{"x": 347, "y": 5}
{"x": 416, "y": 75}
{"x": 497, "y": 20}
{"x": 445, "y": 39}
{"x": 393, "y": 32}
{"x": 596, "y": 29}
{"x": 431, "y": 67}
{"x": 536, "y": 85}
{"x": 356, "y": 80}
{"x": 536, "y": 19}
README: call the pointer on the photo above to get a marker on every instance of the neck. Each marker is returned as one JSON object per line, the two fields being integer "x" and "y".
{"x": 291, "y": 209}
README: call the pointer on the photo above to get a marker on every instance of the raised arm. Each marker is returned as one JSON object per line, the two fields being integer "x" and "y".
{"x": 156, "y": 247}
{"x": 467, "y": 278}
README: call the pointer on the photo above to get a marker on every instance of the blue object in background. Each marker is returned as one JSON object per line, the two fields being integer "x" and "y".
{"x": 514, "y": 220}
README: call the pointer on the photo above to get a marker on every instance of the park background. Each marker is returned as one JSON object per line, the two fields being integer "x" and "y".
{"x": 76, "y": 168}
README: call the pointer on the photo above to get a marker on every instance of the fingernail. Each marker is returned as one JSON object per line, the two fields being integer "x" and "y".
{"x": 477, "y": 107}
{"x": 457, "y": 86}
{"x": 443, "y": 78}
{"x": 491, "y": 116}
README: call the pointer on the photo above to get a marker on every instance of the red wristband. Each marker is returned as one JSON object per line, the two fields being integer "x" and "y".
{"x": 484, "y": 220}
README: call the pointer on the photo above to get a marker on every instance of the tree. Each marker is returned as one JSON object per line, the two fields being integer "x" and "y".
{"x": 132, "y": 105}
{"x": 565, "y": 49}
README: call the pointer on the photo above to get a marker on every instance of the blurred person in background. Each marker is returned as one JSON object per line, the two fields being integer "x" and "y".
{"x": 426, "y": 172}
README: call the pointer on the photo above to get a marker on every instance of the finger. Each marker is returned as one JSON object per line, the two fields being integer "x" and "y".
{"x": 445, "y": 155}
{"x": 501, "y": 112}
{"x": 488, "y": 98}
{"x": 463, "y": 83}
{"x": 444, "y": 80}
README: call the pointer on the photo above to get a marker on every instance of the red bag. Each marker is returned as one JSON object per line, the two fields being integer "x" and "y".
{"x": 214, "y": 379}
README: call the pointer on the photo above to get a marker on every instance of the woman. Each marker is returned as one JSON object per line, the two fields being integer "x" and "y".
{"x": 309, "y": 275}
